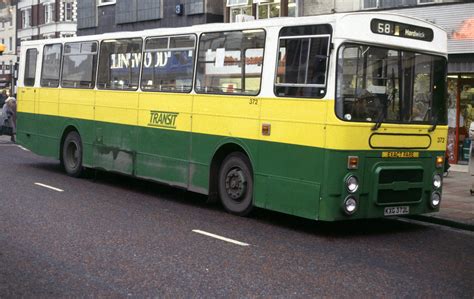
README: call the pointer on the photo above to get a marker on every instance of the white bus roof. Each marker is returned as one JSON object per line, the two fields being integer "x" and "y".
{"x": 347, "y": 26}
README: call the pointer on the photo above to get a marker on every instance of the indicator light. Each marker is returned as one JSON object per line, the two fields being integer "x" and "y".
{"x": 352, "y": 162}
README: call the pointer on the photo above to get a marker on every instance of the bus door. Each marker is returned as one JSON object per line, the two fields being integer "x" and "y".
{"x": 291, "y": 153}
{"x": 47, "y": 100}
{"x": 27, "y": 99}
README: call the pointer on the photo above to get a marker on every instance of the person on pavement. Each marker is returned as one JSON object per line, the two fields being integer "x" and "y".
{"x": 3, "y": 98}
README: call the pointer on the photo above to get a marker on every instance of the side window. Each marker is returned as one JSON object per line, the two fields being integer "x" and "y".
{"x": 51, "y": 65}
{"x": 119, "y": 64}
{"x": 30, "y": 67}
{"x": 303, "y": 61}
{"x": 168, "y": 64}
{"x": 79, "y": 65}
{"x": 230, "y": 62}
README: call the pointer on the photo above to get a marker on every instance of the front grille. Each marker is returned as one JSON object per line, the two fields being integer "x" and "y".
{"x": 406, "y": 175}
{"x": 392, "y": 196}
{"x": 397, "y": 185}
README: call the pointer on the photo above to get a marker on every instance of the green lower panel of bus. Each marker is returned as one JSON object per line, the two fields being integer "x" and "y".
{"x": 299, "y": 180}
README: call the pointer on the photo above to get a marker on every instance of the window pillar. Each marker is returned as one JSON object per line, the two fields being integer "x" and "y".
{"x": 284, "y": 8}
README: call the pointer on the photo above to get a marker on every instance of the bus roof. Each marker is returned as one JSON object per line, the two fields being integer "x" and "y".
{"x": 351, "y": 26}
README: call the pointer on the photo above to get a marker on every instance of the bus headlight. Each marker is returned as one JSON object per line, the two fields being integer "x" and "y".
{"x": 350, "y": 205}
{"x": 435, "y": 200}
{"x": 437, "y": 181}
{"x": 352, "y": 184}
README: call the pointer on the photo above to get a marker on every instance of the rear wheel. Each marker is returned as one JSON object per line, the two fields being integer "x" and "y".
{"x": 72, "y": 155}
{"x": 236, "y": 184}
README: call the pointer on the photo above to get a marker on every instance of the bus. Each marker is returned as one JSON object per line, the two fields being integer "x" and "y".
{"x": 330, "y": 117}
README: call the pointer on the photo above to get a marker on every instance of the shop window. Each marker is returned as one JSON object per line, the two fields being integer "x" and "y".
{"x": 230, "y": 62}
{"x": 236, "y": 2}
{"x": 268, "y": 10}
{"x": 292, "y": 8}
{"x": 466, "y": 115}
{"x": 240, "y": 10}
{"x": 368, "y": 4}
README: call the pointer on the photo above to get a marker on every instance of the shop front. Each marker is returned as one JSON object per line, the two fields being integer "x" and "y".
{"x": 460, "y": 116}
{"x": 460, "y": 85}
{"x": 259, "y": 9}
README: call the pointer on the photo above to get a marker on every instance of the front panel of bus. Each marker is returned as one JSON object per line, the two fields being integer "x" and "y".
{"x": 386, "y": 136}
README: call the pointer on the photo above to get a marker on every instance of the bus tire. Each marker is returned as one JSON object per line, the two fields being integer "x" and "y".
{"x": 235, "y": 184}
{"x": 72, "y": 154}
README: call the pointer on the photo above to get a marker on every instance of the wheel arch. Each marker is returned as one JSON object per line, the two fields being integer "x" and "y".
{"x": 223, "y": 149}
{"x": 67, "y": 129}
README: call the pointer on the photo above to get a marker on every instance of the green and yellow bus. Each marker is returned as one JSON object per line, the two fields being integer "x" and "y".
{"x": 330, "y": 117}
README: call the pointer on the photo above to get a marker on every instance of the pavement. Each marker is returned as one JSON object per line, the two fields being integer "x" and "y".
{"x": 457, "y": 205}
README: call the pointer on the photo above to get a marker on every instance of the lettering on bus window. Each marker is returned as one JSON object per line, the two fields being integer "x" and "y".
{"x": 230, "y": 62}
{"x": 79, "y": 65}
{"x": 51, "y": 65}
{"x": 168, "y": 64}
{"x": 303, "y": 59}
{"x": 119, "y": 64}
{"x": 30, "y": 67}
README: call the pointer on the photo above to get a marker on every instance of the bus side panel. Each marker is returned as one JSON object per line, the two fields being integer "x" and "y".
{"x": 116, "y": 116}
{"x": 48, "y": 126}
{"x": 217, "y": 121}
{"x": 76, "y": 106}
{"x": 26, "y": 118}
{"x": 288, "y": 178}
{"x": 164, "y": 137}
{"x": 291, "y": 156}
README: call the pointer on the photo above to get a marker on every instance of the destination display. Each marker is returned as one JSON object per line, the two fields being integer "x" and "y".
{"x": 401, "y": 30}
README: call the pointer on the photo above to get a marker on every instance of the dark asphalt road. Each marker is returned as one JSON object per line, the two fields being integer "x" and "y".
{"x": 116, "y": 236}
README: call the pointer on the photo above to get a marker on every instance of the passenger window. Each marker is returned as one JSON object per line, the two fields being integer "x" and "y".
{"x": 51, "y": 65}
{"x": 303, "y": 61}
{"x": 168, "y": 64}
{"x": 30, "y": 67}
{"x": 119, "y": 64}
{"x": 230, "y": 62}
{"x": 79, "y": 65}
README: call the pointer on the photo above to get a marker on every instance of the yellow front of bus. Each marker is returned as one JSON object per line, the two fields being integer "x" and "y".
{"x": 386, "y": 137}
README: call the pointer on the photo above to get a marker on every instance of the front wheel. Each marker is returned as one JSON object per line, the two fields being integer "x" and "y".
{"x": 236, "y": 184}
{"x": 72, "y": 155}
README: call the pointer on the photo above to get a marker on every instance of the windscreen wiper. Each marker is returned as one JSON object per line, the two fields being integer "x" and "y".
{"x": 433, "y": 124}
{"x": 380, "y": 119}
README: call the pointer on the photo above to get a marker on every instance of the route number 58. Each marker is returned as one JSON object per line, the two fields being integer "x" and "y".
{"x": 383, "y": 28}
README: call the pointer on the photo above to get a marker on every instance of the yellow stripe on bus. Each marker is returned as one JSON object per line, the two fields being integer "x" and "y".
{"x": 294, "y": 121}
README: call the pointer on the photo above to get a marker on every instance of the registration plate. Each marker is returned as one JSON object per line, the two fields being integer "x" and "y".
{"x": 389, "y": 211}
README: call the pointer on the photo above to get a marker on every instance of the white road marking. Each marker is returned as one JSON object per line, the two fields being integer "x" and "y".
{"x": 26, "y": 150}
{"x": 220, "y": 237}
{"x": 49, "y": 187}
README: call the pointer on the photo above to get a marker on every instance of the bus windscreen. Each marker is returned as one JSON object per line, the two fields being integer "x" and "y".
{"x": 379, "y": 84}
